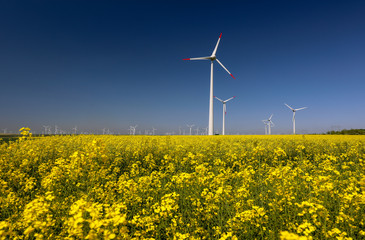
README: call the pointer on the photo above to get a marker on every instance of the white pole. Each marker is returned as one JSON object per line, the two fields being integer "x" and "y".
{"x": 269, "y": 125}
{"x": 211, "y": 122}
{"x": 294, "y": 123}
{"x": 224, "y": 119}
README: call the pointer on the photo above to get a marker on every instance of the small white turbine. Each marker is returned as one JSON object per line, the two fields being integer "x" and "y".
{"x": 212, "y": 58}
{"x": 265, "y": 122}
{"x": 132, "y": 130}
{"x": 294, "y": 110}
{"x": 224, "y": 111}
{"x": 268, "y": 124}
{"x": 190, "y": 126}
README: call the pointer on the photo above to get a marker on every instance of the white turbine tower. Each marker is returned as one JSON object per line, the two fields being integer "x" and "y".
{"x": 265, "y": 122}
{"x": 190, "y": 126}
{"x": 75, "y": 130}
{"x": 134, "y": 129}
{"x": 212, "y": 58}
{"x": 206, "y": 131}
{"x": 268, "y": 124}
{"x": 224, "y": 112}
{"x": 47, "y": 129}
{"x": 294, "y": 110}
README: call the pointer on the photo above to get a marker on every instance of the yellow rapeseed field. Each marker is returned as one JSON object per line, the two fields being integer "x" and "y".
{"x": 182, "y": 187}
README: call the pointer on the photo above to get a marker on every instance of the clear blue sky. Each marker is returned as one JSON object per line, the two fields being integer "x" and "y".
{"x": 112, "y": 64}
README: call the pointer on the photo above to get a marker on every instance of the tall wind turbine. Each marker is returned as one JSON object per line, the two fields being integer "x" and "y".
{"x": 224, "y": 112}
{"x": 294, "y": 110}
{"x": 212, "y": 58}
{"x": 268, "y": 124}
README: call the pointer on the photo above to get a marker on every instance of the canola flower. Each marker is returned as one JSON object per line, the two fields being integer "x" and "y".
{"x": 182, "y": 187}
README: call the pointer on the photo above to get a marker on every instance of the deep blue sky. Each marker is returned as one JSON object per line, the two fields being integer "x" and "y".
{"x": 112, "y": 64}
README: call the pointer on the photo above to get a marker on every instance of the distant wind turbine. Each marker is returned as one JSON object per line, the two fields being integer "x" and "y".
{"x": 212, "y": 58}
{"x": 265, "y": 122}
{"x": 75, "y": 129}
{"x": 206, "y": 131}
{"x": 190, "y": 126}
{"x": 268, "y": 124}
{"x": 197, "y": 130}
{"x": 224, "y": 111}
{"x": 47, "y": 130}
{"x": 294, "y": 110}
{"x": 132, "y": 130}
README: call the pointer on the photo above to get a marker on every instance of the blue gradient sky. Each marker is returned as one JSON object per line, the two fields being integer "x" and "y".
{"x": 112, "y": 64}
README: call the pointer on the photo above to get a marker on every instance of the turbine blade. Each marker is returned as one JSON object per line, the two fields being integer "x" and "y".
{"x": 198, "y": 58}
{"x": 225, "y": 68}
{"x": 216, "y": 46}
{"x": 272, "y": 124}
{"x": 300, "y": 108}
{"x": 229, "y": 99}
{"x": 271, "y": 116}
{"x": 289, "y": 107}
{"x": 218, "y": 98}
{"x": 225, "y": 109}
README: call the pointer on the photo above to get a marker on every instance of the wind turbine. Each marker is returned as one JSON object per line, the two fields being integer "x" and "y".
{"x": 224, "y": 111}
{"x": 134, "y": 129}
{"x": 197, "y": 130}
{"x": 206, "y": 131}
{"x": 268, "y": 124}
{"x": 265, "y": 122}
{"x": 47, "y": 129}
{"x": 294, "y": 110}
{"x": 75, "y": 130}
{"x": 190, "y": 126}
{"x": 212, "y": 58}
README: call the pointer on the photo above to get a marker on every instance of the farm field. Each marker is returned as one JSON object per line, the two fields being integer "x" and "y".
{"x": 183, "y": 187}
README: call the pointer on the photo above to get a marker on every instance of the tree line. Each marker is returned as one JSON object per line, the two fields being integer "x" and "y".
{"x": 348, "y": 132}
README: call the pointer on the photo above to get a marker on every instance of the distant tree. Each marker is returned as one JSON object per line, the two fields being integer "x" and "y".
{"x": 348, "y": 132}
